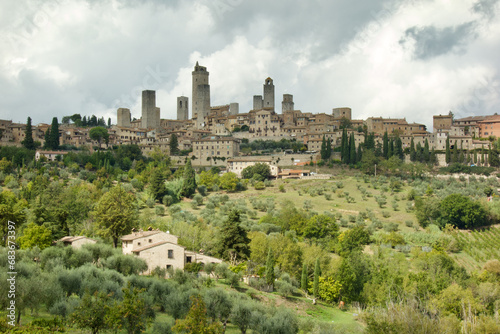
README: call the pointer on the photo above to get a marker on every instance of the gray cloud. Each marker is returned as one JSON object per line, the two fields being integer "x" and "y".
{"x": 430, "y": 42}
{"x": 485, "y": 7}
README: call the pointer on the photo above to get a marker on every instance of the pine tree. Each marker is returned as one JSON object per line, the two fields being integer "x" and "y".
{"x": 270, "y": 277}
{"x": 352, "y": 149}
{"x": 413, "y": 154}
{"x": 54, "y": 134}
{"x": 317, "y": 273}
{"x": 189, "y": 180}
{"x": 385, "y": 147}
{"x": 303, "y": 280}
{"x": 28, "y": 138}
{"x": 448, "y": 153}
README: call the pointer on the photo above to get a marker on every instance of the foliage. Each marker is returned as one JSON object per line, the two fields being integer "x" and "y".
{"x": 93, "y": 312}
{"x": 270, "y": 277}
{"x": 28, "y": 138}
{"x": 99, "y": 134}
{"x": 261, "y": 169}
{"x": 229, "y": 181}
{"x": 233, "y": 241}
{"x": 115, "y": 213}
{"x": 189, "y": 180}
{"x": 35, "y": 235}
{"x": 196, "y": 321}
{"x": 460, "y": 211}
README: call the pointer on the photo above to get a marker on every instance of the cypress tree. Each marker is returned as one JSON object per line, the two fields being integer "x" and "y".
{"x": 475, "y": 156}
{"x": 270, "y": 277}
{"x": 303, "y": 280}
{"x": 352, "y": 149}
{"x": 54, "y": 134}
{"x": 426, "y": 151}
{"x": 344, "y": 147}
{"x": 385, "y": 147}
{"x": 390, "y": 151}
{"x": 323, "y": 149}
{"x": 398, "y": 149}
{"x": 317, "y": 273}
{"x": 157, "y": 184}
{"x": 448, "y": 153}
{"x": 189, "y": 180}
{"x": 47, "y": 139}
{"x": 433, "y": 157}
{"x": 413, "y": 154}
{"x": 84, "y": 121}
{"x": 109, "y": 122}
{"x": 28, "y": 138}
{"x": 360, "y": 154}
{"x": 174, "y": 144}
{"x": 418, "y": 153}
{"x": 329, "y": 149}
{"x": 454, "y": 157}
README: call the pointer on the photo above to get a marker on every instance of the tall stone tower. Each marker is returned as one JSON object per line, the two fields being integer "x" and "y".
{"x": 269, "y": 94}
{"x": 201, "y": 94}
{"x": 182, "y": 108}
{"x": 123, "y": 117}
{"x": 234, "y": 108}
{"x": 257, "y": 102}
{"x": 150, "y": 113}
{"x": 287, "y": 104}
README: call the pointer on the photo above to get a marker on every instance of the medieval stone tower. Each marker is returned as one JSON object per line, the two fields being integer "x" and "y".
{"x": 150, "y": 113}
{"x": 287, "y": 104}
{"x": 268, "y": 101}
{"x": 201, "y": 94}
{"x": 269, "y": 94}
{"x": 182, "y": 108}
{"x": 123, "y": 117}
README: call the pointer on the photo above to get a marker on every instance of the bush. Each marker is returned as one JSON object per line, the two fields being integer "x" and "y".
{"x": 259, "y": 185}
{"x": 203, "y": 190}
{"x": 281, "y": 188}
{"x": 167, "y": 200}
{"x": 160, "y": 210}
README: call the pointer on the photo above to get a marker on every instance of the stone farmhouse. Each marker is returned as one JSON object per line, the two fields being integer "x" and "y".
{"x": 76, "y": 242}
{"x": 160, "y": 249}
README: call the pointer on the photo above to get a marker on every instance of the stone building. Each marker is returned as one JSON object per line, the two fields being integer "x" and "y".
{"x": 123, "y": 117}
{"x": 150, "y": 113}
{"x": 160, "y": 249}
{"x": 182, "y": 108}
{"x": 266, "y": 102}
{"x": 215, "y": 147}
{"x": 287, "y": 103}
{"x": 76, "y": 242}
{"x": 237, "y": 165}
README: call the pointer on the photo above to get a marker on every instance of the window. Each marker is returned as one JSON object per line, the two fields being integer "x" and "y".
{"x": 170, "y": 253}
{"x": 188, "y": 259}
{"x": 169, "y": 266}
{"x": 150, "y": 240}
{"x": 138, "y": 244}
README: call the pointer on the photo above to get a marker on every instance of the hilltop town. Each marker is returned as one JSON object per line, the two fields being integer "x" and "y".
{"x": 214, "y": 133}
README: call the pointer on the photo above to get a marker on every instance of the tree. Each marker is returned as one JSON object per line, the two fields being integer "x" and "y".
{"x": 35, "y": 235}
{"x": 242, "y": 314}
{"x": 261, "y": 169}
{"x": 328, "y": 149}
{"x": 352, "y": 240}
{"x": 448, "y": 153}
{"x": 427, "y": 157}
{"x": 28, "y": 138}
{"x": 270, "y": 277}
{"x": 462, "y": 212}
{"x": 317, "y": 274}
{"x": 385, "y": 147}
{"x": 173, "y": 144}
{"x": 398, "y": 148}
{"x": 47, "y": 138}
{"x": 319, "y": 226}
{"x": 92, "y": 312}
{"x": 98, "y": 134}
{"x": 157, "y": 184}
{"x": 11, "y": 209}
{"x": 352, "y": 149}
{"x": 133, "y": 313}
{"x": 233, "y": 242}
{"x": 413, "y": 155}
{"x": 189, "y": 180}
{"x": 304, "y": 278}
{"x": 116, "y": 213}
{"x": 454, "y": 156}
{"x": 229, "y": 181}
{"x": 345, "y": 147}
{"x": 54, "y": 134}
{"x": 196, "y": 321}
{"x": 109, "y": 122}
{"x": 219, "y": 305}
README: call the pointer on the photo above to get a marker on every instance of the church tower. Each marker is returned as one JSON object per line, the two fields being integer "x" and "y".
{"x": 201, "y": 94}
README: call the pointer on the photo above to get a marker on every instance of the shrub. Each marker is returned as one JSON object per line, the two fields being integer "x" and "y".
{"x": 281, "y": 188}
{"x": 160, "y": 210}
{"x": 259, "y": 185}
{"x": 167, "y": 200}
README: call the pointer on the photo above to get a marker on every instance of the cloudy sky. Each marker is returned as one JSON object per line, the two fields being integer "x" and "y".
{"x": 392, "y": 58}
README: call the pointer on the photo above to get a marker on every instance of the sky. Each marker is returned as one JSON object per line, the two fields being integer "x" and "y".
{"x": 392, "y": 58}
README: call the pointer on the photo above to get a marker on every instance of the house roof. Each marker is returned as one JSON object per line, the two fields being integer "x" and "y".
{"x": 72, "y": 239}
{"x": 153, "y": 245}
{"x": 137, "y": 235}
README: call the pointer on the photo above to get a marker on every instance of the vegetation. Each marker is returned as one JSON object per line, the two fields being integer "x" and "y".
{"x": 404, "y": 250}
